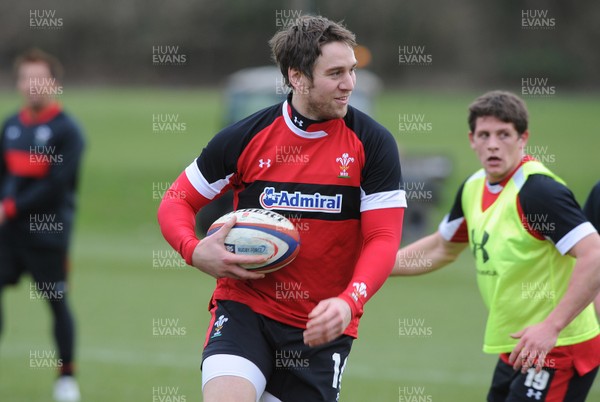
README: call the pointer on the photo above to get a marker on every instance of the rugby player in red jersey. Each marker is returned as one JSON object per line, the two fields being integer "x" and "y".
{"x": 286, "y": 335}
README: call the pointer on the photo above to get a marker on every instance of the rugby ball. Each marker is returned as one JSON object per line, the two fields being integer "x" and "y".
{"x": 261, "y": 232}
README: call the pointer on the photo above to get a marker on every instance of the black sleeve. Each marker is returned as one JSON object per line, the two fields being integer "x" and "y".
{"x": 219, "y": 158}
{"x": 457, "y": 212}
{"x": 549, "y": 207}
{"x": 592, "y": 206}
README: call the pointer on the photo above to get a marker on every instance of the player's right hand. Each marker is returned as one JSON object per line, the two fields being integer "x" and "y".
{"x": 211, "y": 257}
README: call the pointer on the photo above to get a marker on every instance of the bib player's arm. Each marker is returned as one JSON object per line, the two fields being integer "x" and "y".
{"x": 382, "y": 231}
{"x": 426, "y": 255}
{"x": 438, "y": 249}
{"x": 177, "y": 220}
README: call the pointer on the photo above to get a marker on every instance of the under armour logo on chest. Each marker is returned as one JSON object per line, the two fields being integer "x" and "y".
{"x": 263, "y": 163}
{"x": 298, "y": 122}
{"x": 480, "y": 246}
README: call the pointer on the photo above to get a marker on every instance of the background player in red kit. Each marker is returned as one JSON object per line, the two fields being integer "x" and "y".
{"x": 262, "y": 341}
{"x": 40, "y": 153}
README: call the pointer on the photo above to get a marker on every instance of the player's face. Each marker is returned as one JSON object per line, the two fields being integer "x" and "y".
{"x": 327, "y": 95}
{"x": 36, "y": 84}
{"x": 498, "y": 146}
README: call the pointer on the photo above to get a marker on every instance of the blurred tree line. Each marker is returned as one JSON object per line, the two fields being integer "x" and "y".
{"x": 467, "y": 42}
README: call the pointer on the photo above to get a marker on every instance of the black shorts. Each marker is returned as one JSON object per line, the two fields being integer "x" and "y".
{"x": 47, "y": 266}
{"x": 293, "y": 370}
{"x": 549, "y": 385}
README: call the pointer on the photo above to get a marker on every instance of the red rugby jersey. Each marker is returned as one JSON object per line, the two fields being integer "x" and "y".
{"x": 325, "y": 178}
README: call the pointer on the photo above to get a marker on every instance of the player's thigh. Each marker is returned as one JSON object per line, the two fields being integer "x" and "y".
{"x": 235, "y": 346}
{"x": 11, "y": 268}
{"x": 229, "y": 388}
{"x": 302, "y": 373}
{"x": 48, "y": 268}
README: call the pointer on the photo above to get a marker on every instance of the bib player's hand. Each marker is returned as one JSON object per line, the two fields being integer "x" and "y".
{"x": 327, "y": 321}
{"x": 211, "y": 257}
{"x": 535, "y": 343}
{"x": 2, "y": 213}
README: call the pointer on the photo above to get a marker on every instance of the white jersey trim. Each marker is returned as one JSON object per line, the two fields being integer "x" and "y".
{"x": 384, "y": 199}
{"x": 206, "y": 189}
{"x": 298, "y": 131}
{"x": 567, "y": 242}
{"x": 449, "y": 228}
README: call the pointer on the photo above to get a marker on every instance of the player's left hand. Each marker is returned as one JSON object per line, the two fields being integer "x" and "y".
{"x": 535, "y": 343}
{"x": 327, "y": 321}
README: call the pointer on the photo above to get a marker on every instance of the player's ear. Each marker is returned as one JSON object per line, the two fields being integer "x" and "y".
{"x": 296, "y": 79}
{"x": 471, "y": 140}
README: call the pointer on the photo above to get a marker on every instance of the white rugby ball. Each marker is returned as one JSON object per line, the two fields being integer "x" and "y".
{"x": 261, "y": 232}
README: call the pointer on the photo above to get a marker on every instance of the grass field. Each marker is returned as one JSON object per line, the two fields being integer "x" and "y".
{"x": 141, "y": 327}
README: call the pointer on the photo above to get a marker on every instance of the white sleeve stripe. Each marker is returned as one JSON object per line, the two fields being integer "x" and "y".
{"x": 567, "y": 242}
{"x": 448, "y": 228}
{"x": 384, "y": 199}
{"x": 206, "y": 189}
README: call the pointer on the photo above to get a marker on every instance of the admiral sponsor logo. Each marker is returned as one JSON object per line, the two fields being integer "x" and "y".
{"x": 297, "y": 201}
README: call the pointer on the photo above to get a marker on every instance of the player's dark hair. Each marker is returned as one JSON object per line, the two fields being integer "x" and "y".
{"x": 36, "y": 55}
{"x": 299, "y": 45}
{"x": 503, "y": 105}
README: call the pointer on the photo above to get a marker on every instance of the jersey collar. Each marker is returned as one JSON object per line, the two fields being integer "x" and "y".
{"x": 30, "y": 118}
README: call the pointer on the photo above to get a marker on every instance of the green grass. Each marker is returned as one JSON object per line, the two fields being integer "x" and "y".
{"x": 116, "y": 292}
